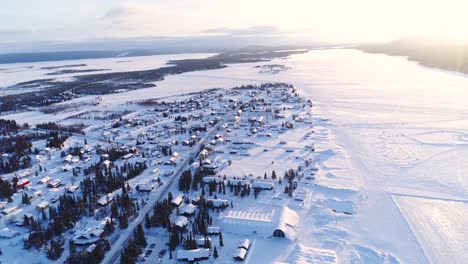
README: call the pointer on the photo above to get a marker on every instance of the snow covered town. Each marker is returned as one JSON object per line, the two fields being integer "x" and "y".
{"x": 205, "y": 176}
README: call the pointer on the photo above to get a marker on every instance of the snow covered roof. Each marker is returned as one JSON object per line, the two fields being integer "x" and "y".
{"x": 90, "y": 234}
{"x": 244, "y": 243}
{"x": 194, "y": 254}
{"x": 213, "y": 229}
{"x": 217, "y": 203}
{"x": 177, "y": 200}
{"x": 106, "y": 199}
{"x": 239, "y": 253}
{"x": 45, "y": 180}
{"x": 263, "y": 221}
{"x": 7, "y": 233}
{"x": 181, "y": 221}
{"x": 187, "y": 209}
{"x": 263, "y": 185}
{"x": 201, "y": 241}
{"x": 210, "y": 179}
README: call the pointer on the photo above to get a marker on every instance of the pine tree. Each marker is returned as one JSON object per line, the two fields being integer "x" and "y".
{"x": 140, "y": 238}
{"x": 147, "y": 221}
{"x": 221, "y": 243}
{"x": 215, "y": 253}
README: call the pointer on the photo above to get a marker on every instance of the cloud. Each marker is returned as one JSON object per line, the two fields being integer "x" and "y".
{"x": 119, "y": 12}
{"x": 13, "y": 31}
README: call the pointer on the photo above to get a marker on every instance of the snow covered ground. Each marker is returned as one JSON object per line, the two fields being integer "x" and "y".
{"x": 391, "y": 139}
{"x": 14, "y": 73}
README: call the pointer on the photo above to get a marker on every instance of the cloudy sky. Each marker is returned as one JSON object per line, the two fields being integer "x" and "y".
{"x": 327, "y": 20}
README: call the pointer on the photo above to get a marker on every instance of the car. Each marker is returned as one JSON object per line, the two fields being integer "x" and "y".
{"x": 162, "y": 253}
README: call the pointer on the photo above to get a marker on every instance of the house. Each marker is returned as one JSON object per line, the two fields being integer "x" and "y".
{"x": 45, "y": 180}
{"x": 218, "y": 203}
{"x": 204, "y": 154}
{"x": 144, "y": 187}
{"x": 8, "y": 234}
{"x": 239, "y": 254}
{"x": 68, "y": 158}
{"x": 91, "y": 233}
{"x": 236, "y": 182}
{"x": 67, "y": 168}
{"x": 177, "y": 201}
{"x": 187, "y": 210}
{"x": 127, "y": 156}
{"x": 73, "y": 188}
{"x": 244, "y": 243}
{"x": 23, "y": 183}
{"x": 210, "y": 179}
{"x": 263, "y": 185}
{"x": 193, "y": 255}
{"x": 105, "y": 199}
{"x": 25, "y": 174}
{"x": 204, "y": 242}
{"x": 181, "y": 221}
{"x": 10, "y": 210}
{"x": 54, "y": 184}
{"x": 42, "y": 206}
{"x": 213, "y": 230}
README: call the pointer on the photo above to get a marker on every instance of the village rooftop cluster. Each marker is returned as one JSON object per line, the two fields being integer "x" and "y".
{"x": 188, "y": 178}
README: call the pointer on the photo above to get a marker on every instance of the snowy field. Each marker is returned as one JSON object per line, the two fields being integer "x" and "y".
{"x": 392, "y": 146}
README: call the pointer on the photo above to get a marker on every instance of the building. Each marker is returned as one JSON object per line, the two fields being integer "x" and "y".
{"x": 213, "y": 230}
{"x": 8, "y": 234}
{"x": 263, "y": 185}
{"x": 23, "y": 183}
{"x": 187, "y": 210}
{"x": 105, "y": 199}
{"x": 244, "y": 243}
{"x": 204, "y": 242}
{"x": 218, "y": 203}
{"x": 42, "y": 205}
{"x": 9, "y": 210}
{"x": 181, "y": 222}
{"x": 92, "y": 233}
{"x": 177, "y": 201}
{"x": 193, "y": 255}
{"x": 145, "y": 187}
{"x": 54, "y": 184}
{"x": 267, "y": 221}
{"x": 239, "y": 254}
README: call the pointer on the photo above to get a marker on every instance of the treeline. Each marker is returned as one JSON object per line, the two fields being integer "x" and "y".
{"x": 8, "y": 126}
{"x": 76, "y": 128}
{"x": 135, "y": 246}
{"x": 16, "y": 151}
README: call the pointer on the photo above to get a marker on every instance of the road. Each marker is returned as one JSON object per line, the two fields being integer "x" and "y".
{"x": 113, "y": 255}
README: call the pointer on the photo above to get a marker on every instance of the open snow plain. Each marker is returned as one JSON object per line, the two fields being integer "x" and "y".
{"x": 392, "y": 141}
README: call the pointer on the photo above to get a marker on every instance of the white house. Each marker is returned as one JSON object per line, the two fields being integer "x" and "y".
{"x": 193, "y": 255}
{"x": 106, "y": 199}
{"x": 266, "y": 221}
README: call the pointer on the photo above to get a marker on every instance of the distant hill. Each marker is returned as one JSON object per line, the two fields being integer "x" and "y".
{"x": 428, "y": 52}
{"x": 74, "y": 55}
